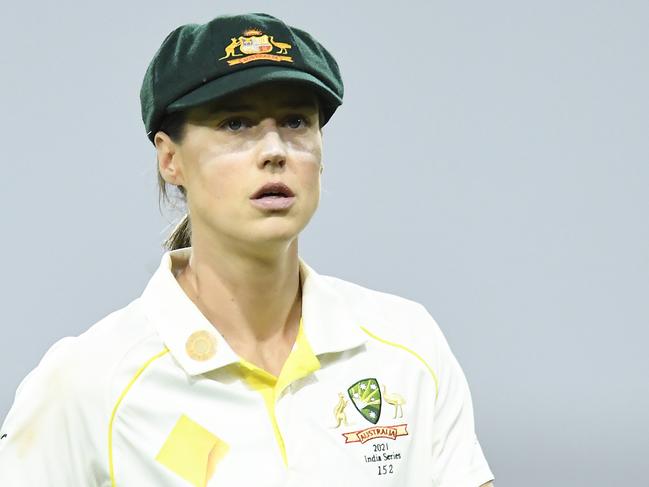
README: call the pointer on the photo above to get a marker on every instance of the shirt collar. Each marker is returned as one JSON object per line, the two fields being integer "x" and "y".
{"x": 329, "y": 323}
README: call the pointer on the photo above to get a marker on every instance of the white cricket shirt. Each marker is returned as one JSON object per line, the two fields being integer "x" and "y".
{"x": 152, "y": 395}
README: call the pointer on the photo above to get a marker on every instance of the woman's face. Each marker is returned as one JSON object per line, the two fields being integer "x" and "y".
{"x": 230, "y": 149}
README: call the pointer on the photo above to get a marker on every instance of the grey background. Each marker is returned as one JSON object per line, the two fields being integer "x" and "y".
{"x": 490, "y": 161}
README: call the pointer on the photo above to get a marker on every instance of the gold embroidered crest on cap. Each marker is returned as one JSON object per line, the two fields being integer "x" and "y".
{"x": 201, "y": 345}
{"x": 254, "y": 45}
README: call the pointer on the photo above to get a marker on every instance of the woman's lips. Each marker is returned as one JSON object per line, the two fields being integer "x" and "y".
{"x": 273, "y": 202}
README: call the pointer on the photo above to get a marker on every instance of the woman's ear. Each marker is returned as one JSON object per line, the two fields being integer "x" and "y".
{"x": 169, "y": 163}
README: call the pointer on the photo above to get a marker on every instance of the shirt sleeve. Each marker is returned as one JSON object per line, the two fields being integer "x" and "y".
{"x": 46, "y": 438}
{"x": 458, "y": 460}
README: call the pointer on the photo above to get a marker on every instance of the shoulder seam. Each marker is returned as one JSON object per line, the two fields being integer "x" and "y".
{"x": 410, "y": 351}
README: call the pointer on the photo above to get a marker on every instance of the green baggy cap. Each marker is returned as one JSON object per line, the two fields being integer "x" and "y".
{"x": 199, "y": 63}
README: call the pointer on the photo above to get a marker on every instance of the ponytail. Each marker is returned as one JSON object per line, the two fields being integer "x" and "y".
{"x": 181, "y": 236}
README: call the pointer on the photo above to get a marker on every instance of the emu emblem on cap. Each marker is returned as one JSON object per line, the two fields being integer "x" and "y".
{"x": 254, "y": 45}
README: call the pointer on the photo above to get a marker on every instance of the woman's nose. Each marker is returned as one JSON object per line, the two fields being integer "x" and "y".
{"x": 272, "y": 148}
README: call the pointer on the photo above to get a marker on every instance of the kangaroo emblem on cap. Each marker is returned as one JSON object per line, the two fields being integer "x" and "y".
{"x": 254, "y": 45}
{"x": 229, "y": 50}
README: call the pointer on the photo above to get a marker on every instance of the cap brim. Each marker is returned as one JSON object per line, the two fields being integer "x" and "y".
{"x": 247, "y": 78}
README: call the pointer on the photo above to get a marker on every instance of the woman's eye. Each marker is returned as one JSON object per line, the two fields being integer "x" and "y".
{"x": 234, "y": 124}
{"x": 295, "y": 122}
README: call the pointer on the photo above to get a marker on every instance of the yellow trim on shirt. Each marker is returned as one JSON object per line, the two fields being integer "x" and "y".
{"x": 300, "y": 363}
{"x": 412, "y": 352}
{"x": 114, "y": 413}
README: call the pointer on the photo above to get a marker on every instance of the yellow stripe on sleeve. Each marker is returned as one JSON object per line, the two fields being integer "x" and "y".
{"x": 111, "y": 467}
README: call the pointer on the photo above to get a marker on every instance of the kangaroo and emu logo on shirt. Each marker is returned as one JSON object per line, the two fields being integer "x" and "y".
{"x": 367, "y": 396}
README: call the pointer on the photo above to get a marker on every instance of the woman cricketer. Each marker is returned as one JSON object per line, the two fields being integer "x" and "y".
{"x": 240, "y": 365}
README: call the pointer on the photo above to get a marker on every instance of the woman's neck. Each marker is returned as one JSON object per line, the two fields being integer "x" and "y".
{"x": 255, "y": 304}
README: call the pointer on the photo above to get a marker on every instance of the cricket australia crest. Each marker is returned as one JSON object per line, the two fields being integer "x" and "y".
{"x": 255, "y": 45}
{"x": 366, "y": 397}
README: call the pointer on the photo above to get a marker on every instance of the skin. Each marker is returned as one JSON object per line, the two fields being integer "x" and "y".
{"x": 243, "y": 273}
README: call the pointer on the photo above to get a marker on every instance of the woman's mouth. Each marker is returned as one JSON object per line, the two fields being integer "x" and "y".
{"x": 273, "y": 202}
